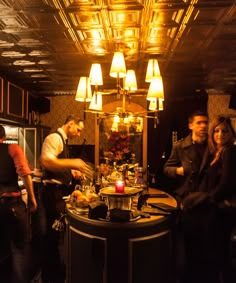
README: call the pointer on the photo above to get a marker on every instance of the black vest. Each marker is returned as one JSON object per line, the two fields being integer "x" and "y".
{"x": 8, "y": 175}
{"x": 64, "y": 176}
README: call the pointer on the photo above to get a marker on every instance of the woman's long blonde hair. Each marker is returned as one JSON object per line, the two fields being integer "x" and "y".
{"x": 211, "y": 143}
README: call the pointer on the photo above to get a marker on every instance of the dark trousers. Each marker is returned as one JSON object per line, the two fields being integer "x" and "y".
{"x": 15, "y": 251}
{"x": 205, "y": 244}
{"x": 53, "y": 267}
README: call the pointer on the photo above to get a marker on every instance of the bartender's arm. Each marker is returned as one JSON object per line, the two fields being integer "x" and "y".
{"x": 51, "y": 149}
{"x": 23, "y": 170}
{"x": 28, "y": 183}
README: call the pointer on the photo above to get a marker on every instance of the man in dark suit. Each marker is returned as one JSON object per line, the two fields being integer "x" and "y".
{"x": 187, "y": 155}
{"x": 184, "y": 165}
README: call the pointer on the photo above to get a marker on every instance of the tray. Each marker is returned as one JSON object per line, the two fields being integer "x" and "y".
{"x": 129, "y": 191}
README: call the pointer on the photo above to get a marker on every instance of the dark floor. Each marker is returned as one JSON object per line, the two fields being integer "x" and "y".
{"x": 37, "y": 249}
{"x": 37, "y": 274}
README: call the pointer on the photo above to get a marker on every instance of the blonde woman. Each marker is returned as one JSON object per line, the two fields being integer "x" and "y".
{"x": 208, "y": 224}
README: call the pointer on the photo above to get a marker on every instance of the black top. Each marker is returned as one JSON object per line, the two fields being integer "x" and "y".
{"x": 8, "y": 175}
{"x": 220, "y": 178}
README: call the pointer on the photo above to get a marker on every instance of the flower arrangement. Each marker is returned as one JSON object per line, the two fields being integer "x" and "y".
{"x": 118, "y": 147}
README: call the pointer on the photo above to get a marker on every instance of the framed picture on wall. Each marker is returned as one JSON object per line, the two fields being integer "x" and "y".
{"x": 1, "y": 95}
{"x": 15, "y": 100}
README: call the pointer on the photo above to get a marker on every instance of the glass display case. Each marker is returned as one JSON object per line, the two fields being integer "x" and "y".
{"x": 118, "y": 141}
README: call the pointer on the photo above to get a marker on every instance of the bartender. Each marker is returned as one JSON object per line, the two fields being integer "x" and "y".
{"x": 58, "y": 172}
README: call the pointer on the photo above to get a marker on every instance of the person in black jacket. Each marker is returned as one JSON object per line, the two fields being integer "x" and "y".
{"x": 187, "y": 156}
{"x": 216, "y": 212}
{"x": 183, "y": 167}
{"x": 208, "y": 216}
{"x": 58, "y": 172}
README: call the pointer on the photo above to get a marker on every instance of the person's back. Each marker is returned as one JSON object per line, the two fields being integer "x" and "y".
{"x": 14, "y": 258}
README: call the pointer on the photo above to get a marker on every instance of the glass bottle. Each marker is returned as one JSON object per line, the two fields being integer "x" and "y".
{"x": 139, "y": 178}
{"x": 98, "y": 180}
{"x": 115, "y": 173}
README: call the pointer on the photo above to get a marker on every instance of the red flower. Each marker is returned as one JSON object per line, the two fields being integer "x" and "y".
{"x": 119, "y": 145}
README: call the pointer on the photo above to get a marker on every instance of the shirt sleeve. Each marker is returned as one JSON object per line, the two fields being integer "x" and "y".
{"x": 20, "y": 161}
{"x": 172, "y": 163}
{"x": 52, "y": 146}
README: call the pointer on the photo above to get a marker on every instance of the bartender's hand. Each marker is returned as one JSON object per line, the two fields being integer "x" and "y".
{"x": 77, "y": 174}
{"x": 88, "y": 171}
{"x": 33, "y": 205}
{"x": 85, "y": 168}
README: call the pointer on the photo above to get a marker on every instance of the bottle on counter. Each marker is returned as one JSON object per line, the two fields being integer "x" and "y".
{"x": 115, "y": 173}
{"x": 126, "y": 174}
{"x": 98, "y": 180}
{"x": 139, "y": 179}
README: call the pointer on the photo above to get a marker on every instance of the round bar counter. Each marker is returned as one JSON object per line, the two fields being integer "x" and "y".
{"x": 119, "y": 252}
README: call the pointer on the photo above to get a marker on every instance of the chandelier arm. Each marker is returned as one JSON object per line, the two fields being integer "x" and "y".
{"x": 118, "y": 86}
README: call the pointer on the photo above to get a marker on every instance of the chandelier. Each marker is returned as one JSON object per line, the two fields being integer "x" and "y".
{"x": 155, "y": 92}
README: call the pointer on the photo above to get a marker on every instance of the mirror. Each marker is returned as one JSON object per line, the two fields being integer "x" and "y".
{"x": 120, "y": 142}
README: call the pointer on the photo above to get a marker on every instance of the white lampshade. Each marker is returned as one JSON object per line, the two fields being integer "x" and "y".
{"x": 130, "y": 82}
{"x": 116, "y": 119}
{"x": 160, "y": 104}
{"x": 118, "y": 68}
{"x": 156, "y": 89}
{"x": 96, "y": 103}
{"x": 153, "y": 104}
{"x": 153, "y": 70}
{"x": 84, "y": 92}
{"x": 95, "y": 75}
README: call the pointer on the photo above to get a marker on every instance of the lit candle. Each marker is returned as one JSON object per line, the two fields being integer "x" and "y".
{"x": 119, "y": 186}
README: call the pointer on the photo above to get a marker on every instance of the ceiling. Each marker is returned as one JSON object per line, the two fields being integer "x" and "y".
{"x": 47, "y": 45}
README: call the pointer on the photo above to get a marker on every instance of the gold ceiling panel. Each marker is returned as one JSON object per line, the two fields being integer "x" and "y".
{"x": 154, "y": 35}
{"x": 166, "y": 16}
{"x": 86, "y": 19}
{"x": 76, "y": 3}
{"x": 61, "y": 38}
{"x": 126, "y": 34}
{"x": 91, "y": 34}
{"x": 99, "y": 49}
{"x": 124, "y": 2}
{"x": 124, "y": 18}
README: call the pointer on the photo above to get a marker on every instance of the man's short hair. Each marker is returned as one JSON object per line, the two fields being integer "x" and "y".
{"x": 2, "y": 132}
{"x": 196, "y": 113}
{"x": 77, "y": 120}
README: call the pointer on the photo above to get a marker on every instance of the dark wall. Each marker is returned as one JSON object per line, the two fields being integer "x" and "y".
{"x": 83, "y": 151}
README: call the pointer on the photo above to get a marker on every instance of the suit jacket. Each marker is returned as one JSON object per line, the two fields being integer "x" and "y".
{"x": 184, "y": 153}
